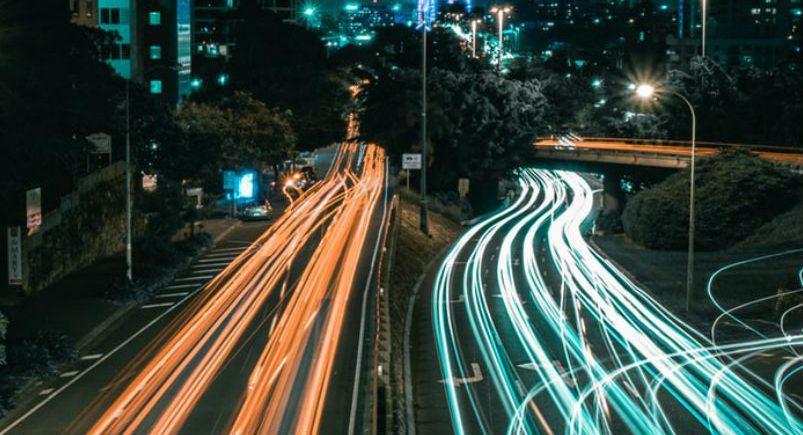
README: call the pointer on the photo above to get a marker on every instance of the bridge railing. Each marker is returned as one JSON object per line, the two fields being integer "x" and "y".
{"x": 686, "y": 143}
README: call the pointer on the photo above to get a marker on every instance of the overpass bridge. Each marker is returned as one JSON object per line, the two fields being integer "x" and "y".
{"x": 653, "y": 153}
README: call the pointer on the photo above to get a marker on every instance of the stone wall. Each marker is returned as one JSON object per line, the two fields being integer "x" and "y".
{"x": 88, "y": 224}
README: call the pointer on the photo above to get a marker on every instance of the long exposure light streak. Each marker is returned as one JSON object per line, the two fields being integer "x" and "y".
{"x": 165, "y": 384}
{"x": 606, "y": 355}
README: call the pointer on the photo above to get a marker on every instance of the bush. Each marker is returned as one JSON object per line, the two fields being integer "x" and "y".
{"x": 735, "y": 195}
{"x": 609, "y": 223}
{"x": 39, "y": 358}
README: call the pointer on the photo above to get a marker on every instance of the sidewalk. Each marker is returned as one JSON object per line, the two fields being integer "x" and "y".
{"x": 77, "y": 304}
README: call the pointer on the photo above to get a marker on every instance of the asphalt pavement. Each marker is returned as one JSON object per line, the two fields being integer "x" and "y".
{"x": 527, "y": 329}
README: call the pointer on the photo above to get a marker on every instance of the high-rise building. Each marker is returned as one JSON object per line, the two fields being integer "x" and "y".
{"x": 214, "y": 20}
{"x": 153, "y": 42}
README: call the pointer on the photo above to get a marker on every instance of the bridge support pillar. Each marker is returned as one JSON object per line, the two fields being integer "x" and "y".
{"x": 613, "y": 196}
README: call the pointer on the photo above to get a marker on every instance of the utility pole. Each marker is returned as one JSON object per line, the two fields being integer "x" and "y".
{"x": 129, "y": 273}
{"x": 424, "y": 146}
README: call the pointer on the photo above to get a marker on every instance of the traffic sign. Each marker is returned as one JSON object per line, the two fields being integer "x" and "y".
{"x": 411, "y": 161}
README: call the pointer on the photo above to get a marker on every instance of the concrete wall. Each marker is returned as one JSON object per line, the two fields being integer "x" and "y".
{"x": 88, "y": 224}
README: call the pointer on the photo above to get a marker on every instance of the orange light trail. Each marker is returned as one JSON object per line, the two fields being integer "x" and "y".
{"x": 167, "y": 384}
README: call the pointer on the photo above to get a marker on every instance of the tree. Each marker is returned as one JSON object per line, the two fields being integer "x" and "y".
{"x": 285, "y": 66}
{"x": 54, "y": 91}
{"x": 237, "y": 132}
{"x": 481, "y": 126}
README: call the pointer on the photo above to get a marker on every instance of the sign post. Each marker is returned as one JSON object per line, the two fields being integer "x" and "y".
{"x": 101, "y": 144}
{"x": 410, "y": 161}
{"x": 14, "y": 255}
{"x": 33, "y": 210}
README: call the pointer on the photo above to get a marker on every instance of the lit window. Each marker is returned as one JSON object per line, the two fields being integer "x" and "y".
{"x": 155, "y": 52}
{"x": 156, "y": 86}
{"x": 155, "y": 18}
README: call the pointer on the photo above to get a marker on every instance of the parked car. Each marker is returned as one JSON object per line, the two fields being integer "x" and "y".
{"x": 257, "y": 212}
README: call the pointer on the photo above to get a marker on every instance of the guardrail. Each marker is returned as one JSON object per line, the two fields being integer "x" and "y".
{"x": 686, "y": 143}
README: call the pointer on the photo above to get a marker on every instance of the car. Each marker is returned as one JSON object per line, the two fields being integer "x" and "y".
{"x": 257, "y": 212}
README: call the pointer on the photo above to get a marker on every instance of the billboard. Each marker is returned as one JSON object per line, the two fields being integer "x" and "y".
{"x": 33, "y": 210}
{"x": 14, "y": 251}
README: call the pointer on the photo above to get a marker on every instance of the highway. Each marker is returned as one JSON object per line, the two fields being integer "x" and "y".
{"x": 668, "y": 149}
{"x": 535, "y": 331}
{"x": 272, "y": 343}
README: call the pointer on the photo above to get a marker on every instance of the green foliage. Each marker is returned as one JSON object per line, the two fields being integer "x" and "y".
{"x": 735, "y": 195}
{"x": 38, "y": 358}
{"x": 285, "y": 66}
{"x": 55, "y": 90}
{"x": 480, "y": 125}
{"x": 238, "y": 131}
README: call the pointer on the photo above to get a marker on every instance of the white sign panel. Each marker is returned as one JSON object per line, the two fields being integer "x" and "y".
{"x": 14, "y": 255}
{"x": 33, "y": 210}
{"x": 102, "y": 143}
{"x": 462, "y": 187}
{"x": 411, "y": 161}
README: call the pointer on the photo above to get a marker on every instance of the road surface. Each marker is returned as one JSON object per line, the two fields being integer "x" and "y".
{"x": 534, "y": 331}
{"x": 269, "y": 340}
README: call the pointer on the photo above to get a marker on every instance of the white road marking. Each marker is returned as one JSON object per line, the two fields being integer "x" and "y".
{"x": 176, "y": 287}
{"x": 45, "y": 392}
{"x": 91, "y": 357}
{"x": 224, "y": 263}
{"x": 172, "y": 295}
{"x": 239, "y": 248}
{"x": 358, "y": 369}
{"x": 100, "y": 361}
{"x": 213, "y": 270}
{"x": 194, "y": 278}
{"x": 163, "y": 304}
{"x": 69, "y": 374}
{"x": 211, "y": 260}
{"x": 476, "y": 377}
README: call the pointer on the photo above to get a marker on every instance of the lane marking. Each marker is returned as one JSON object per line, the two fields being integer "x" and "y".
{"x": 214, "y": 270}
{"x": 475, "y": 377}
{"x": 172, "y": 295}
{"x": 69, "y": 374}
{"x": 163, "y": 304}
{"x": 100, "y": 361}
{"x": 45, "y": 392}
{"x": 180, "y": 286}
{"x": 224, "y": 263}
{"x": 194, "y": 278}
{"x": 358, "y": 368}
{"x": 91, "y": 357}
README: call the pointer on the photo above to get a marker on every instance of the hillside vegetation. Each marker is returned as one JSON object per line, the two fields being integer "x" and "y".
{"x": 736, "y": 194}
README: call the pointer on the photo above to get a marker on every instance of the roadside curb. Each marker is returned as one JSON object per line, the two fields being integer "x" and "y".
{"x": 128, "y": 306}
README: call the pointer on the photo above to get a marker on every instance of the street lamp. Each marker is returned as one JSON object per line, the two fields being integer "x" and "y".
{"x": 474, "y": 38}
{"x": 129, "y": 274}
{"x": 500, "y": 12}
{"x": 424, "y": 12}
{"x": 705, "y": 18}
{"x": 646, "y": 91}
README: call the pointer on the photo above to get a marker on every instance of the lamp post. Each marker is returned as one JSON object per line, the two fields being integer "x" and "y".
{"x": 500, "y": 12}
{"x": 474, "y": 38}
{"x": 129, "y": 273}
{"x": 645, "y": 91}
{"x": 424, "y": 6}
{"x": 704, "y": 19}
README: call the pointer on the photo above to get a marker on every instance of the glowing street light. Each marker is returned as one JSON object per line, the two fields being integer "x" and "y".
{"x": 500, "y": 12}
{"x": 645, "y": 91}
